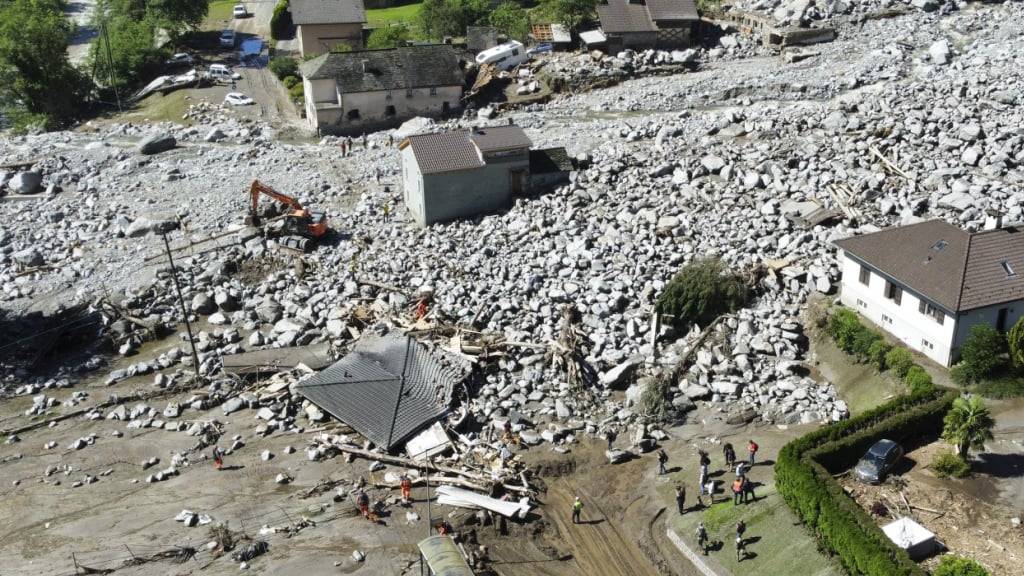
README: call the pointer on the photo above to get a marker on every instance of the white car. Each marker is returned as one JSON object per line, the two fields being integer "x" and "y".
{"x": 222, "y": 72}
{"x": 237, "y": 99}
{"x": 181, "y": 59}
{"x": 227, "y": 38}
{"x": 239, "y": 11}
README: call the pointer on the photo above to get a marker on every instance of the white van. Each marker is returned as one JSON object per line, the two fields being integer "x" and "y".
{"x": 223, "y": 73}
{"x": 504, "y": 56}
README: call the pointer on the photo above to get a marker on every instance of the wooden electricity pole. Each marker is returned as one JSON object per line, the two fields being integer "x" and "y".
{"x": 184, "y": 310}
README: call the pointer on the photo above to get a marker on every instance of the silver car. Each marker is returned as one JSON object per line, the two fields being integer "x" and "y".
{"x": 878, "y": 462}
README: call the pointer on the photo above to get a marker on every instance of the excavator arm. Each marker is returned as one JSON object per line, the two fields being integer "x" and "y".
{"x": 258, "y": 188}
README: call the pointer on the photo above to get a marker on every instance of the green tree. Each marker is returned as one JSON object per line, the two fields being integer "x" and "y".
{"x": 981, "y": 354}
{"x": 133, "y": 54}
{"x": 283, "y": 66}
{"x": 512, "y": 19}
{"x": 951, "y": 565}
{"x": 968, "y": 424}
{"x": 179, "y": 13}
{"x": 281, "y": 22}
{"x": 388, "y": 37}
{"x": 439, "y": 18}
{"x": 1015, "y": 342}
{"x": 572, "y": 13}
{"x": 702, "y": 291}
{"x": 38, "y": 85}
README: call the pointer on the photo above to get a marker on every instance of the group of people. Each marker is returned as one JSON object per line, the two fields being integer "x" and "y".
{"x": 704, "y": 542}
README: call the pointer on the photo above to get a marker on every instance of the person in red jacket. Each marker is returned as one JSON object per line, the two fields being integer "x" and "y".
{"x": 751, "y": 451}
{"x": 406, "y": 489}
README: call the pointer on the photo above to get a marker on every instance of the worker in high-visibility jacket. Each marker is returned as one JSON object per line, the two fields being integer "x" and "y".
{"x": 406, "y": 489}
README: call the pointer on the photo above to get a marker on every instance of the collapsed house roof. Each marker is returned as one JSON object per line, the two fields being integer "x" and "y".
{"x": 401, "y": 68}
{"x": 955, "y": 269}
{"x": 306, "y": 12}
{"x": 550, "y": 160}
{"x": 387, "y": 389}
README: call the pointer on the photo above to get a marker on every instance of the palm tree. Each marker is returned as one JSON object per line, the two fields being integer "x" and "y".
{"x": 968, "y": 424}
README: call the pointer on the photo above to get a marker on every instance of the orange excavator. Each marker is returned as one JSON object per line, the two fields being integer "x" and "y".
{"x": 296, "y": 228}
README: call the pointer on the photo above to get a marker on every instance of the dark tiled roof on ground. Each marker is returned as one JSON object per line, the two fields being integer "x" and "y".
{"x": 395, "y": 69}
{"x": 387, "y": 389}
{"x": 955, "y": 269}
{"x": 500, "y": 138}
{"x": 620, "y": 16}
{"x": 445, "y": 152}
{"x": 327, "y": 11}
{"x": 550, "y": 160}
{"x": 672, "y": 10}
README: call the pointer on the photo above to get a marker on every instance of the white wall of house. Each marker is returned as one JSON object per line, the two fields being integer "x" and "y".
{"x": 412, "y": 186}
{"x": 330, "y": 111}
{"x": 921, "y": 332}
{"x": 321, "y": 101}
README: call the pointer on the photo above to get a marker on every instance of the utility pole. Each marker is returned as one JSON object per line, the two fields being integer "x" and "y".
{"x": 184, "y": 310}
{"x": 110, "y": 64}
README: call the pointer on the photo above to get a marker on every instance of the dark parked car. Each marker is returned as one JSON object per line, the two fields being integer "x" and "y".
{"x": 878, "y": 462}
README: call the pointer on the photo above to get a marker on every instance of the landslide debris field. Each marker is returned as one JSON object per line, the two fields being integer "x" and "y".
{"x": 909, "y": 114}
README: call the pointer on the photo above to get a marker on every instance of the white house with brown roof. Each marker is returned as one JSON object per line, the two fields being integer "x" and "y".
{"x": 321, "y": 25}
{"x": 927, "y": 284}
{"x": 463, "y": 173}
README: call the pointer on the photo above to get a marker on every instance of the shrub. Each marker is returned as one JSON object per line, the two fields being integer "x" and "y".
{"x": 951, "y": 565}
{"x": 877, "y": 353}
{"x": 291, "y": 81}
{"x": 1005, "y": 387}
{"x": 283, "y": 66}
{"x": 1015, "y": 343}
{"x": 899, "y": 360}
{"x": 387, "y": 37}
{"x": 983, "y": 351}
{"x": 962, "y": 374}
{"x": 968, "y": 424}
{"x": 843, "y": 326}
{"x": 863, "y": 342}
{"x": 918, "y": 381}
{"x": 296, "y": 92}
{"x": 702, "y": 291}
{"x": 803, "y": 475}
{"x": 281, "y": 21}
{"x": 946, "y": 464}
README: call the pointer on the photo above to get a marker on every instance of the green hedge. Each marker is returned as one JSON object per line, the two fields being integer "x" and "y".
{"x": 803, "y": 475}
{"x": 281, "y": 22}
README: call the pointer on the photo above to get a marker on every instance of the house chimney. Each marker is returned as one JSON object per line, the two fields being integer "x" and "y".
{"x": 993, "y": 219}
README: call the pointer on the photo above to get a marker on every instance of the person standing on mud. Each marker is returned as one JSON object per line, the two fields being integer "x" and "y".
{"x": 218, "y": 458}
{"x": 751, "y": 451}
{"x": 681, "y": 499}
{"x": 702, "y": 538}
{"x": 730, "y": 455}
{"x": 577, "y": 508}
{"x": 662, "y": 462}
{"x": 610, "y": 437}
{"x": 702, "y": 481}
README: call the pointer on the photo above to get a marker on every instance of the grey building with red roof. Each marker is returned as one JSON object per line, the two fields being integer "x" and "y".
{"x": 642, "y": 24}
{"x": 929, "y": 283}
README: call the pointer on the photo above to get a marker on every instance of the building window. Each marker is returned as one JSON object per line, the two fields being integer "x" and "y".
{"x": 886, "y": 319}
{"x": 862, "y": 304}
{"x": 1007, "y": 268}
{"x": 865, "y": 275}
{"x": 926, "y": 308}
{"x": 389, "y": 111}
{"x": 893, "y": 292}
{"x": 353, "y": 114}
{"x": 940, "y": 245}
{"x": 433, "y": 91}
{"x": 927, "y": 344}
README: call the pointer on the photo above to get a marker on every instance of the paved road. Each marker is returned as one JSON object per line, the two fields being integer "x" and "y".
{"x": 79, "y": 12}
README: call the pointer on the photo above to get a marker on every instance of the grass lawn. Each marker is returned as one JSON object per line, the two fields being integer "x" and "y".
{"x": 220, "y": 10}
{"x": 776, "y": 542}
{"x": 406, "y": 13}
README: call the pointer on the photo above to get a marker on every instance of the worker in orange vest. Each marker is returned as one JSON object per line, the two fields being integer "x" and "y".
{"x": 406, "y": 489}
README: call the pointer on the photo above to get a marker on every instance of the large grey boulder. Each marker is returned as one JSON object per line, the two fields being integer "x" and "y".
{"x": 156, "y": 143}
{"x": 143, "y": 226}
{"x": 28, "y": 257}
{"x": 25, "y": 182}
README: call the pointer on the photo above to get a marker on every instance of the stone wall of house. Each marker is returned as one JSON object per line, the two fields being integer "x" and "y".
{"x": 316, "y": 39}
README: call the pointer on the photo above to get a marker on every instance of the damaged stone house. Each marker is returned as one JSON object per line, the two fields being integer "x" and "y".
{"x": 643, "y": 24}
{"x": 323, "y": 25}
{"x": 462, "y": 173}
{"x": 362, "y": 91}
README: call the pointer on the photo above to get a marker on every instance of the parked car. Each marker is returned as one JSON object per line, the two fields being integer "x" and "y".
{"x": 541, "y": 48}
{"x": 504, "y": 56}
{"x": 222, "y": 72}
{"x": 237, "y": 99}
{"x": 239, "y": 11}
{"x": 227, "y": 38}
{"x": 181, "y": 59}
{"x": 878, "y": 462}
